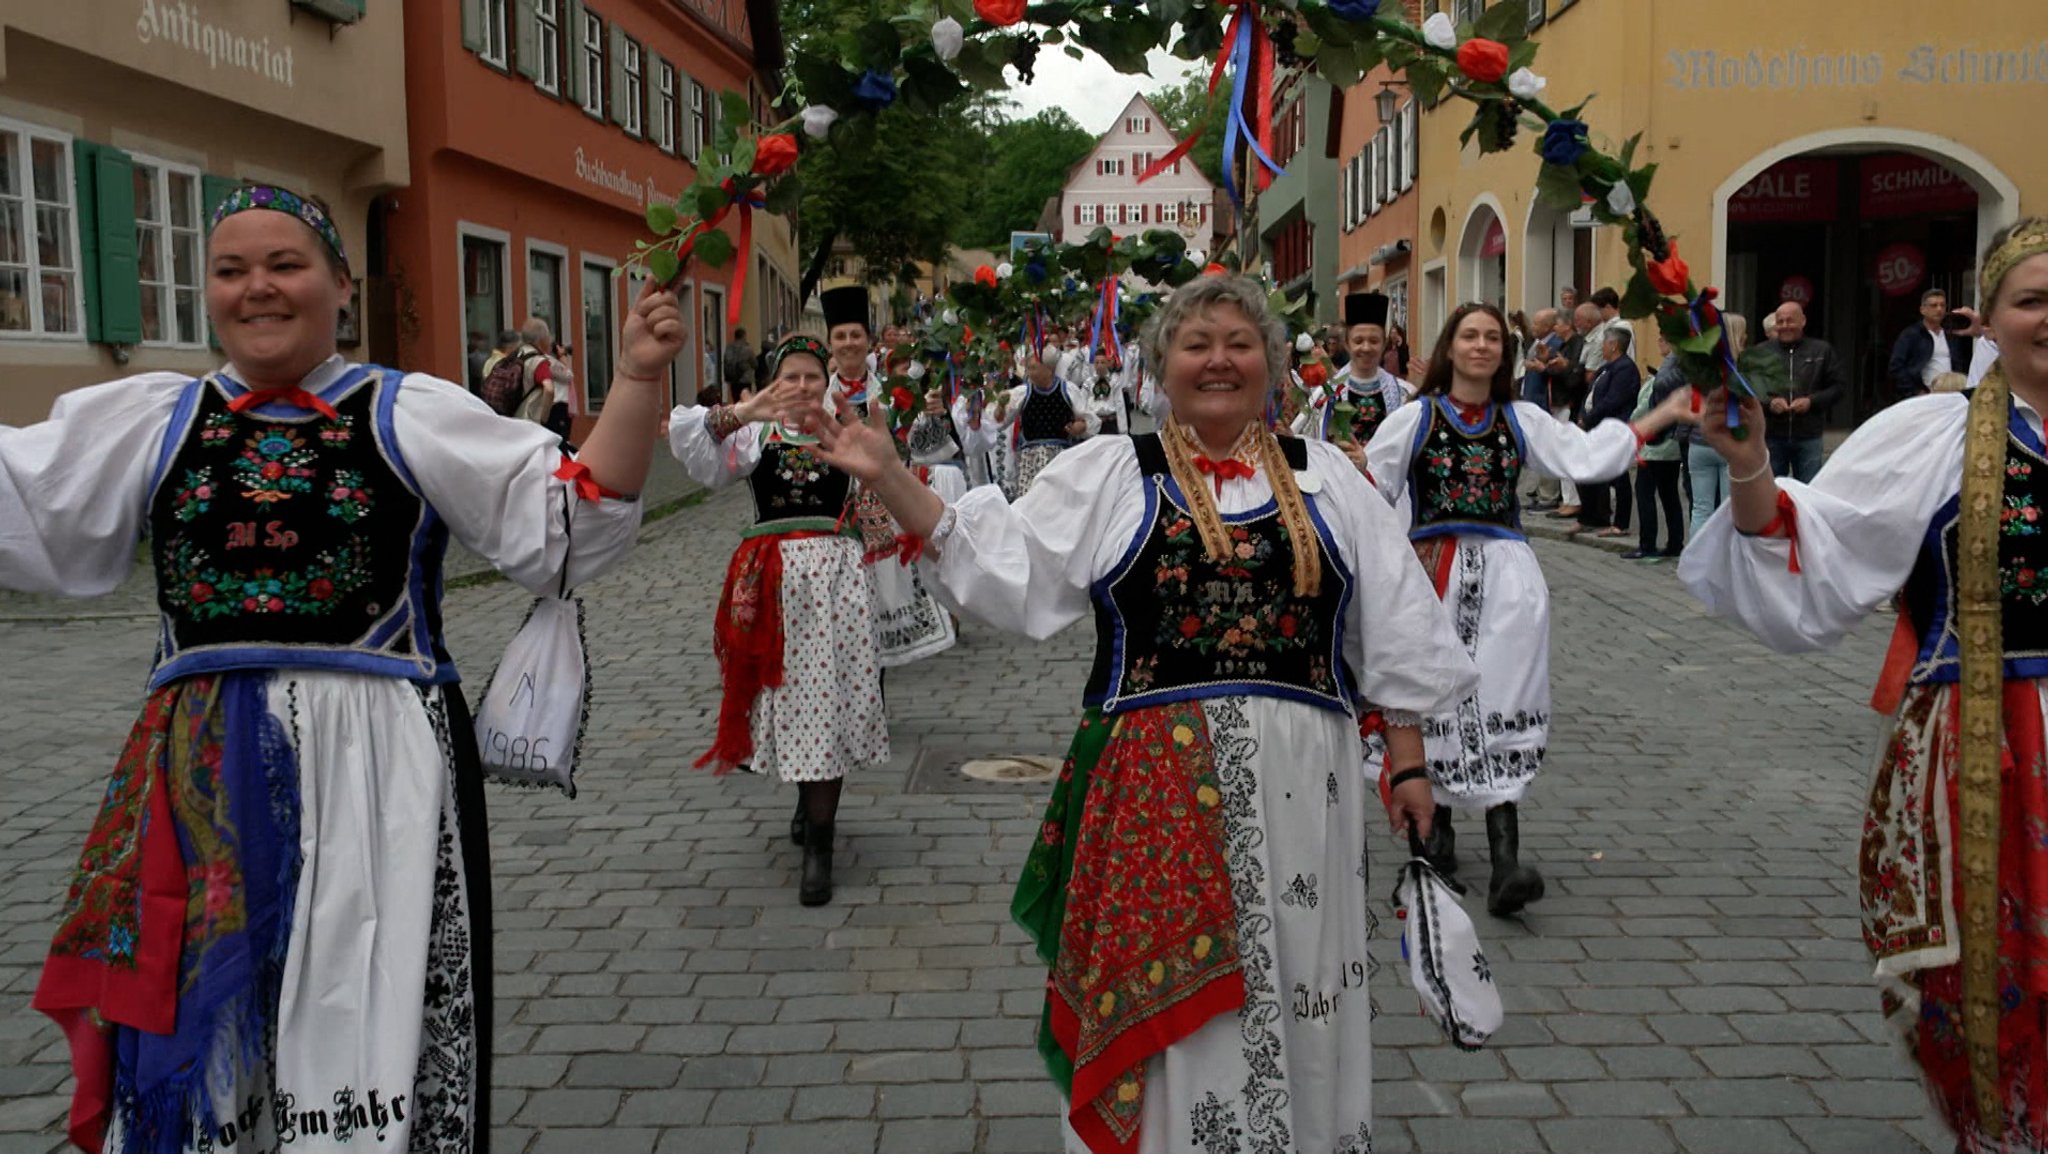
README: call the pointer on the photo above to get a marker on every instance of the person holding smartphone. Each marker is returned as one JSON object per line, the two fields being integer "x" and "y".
{"x": 1936, "y": 345}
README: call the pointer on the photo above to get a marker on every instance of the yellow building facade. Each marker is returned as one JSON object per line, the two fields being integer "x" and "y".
{"x": 1849, "y": 157}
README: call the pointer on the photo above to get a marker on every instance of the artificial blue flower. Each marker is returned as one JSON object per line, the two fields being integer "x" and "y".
{"x": 1355, "y": 9}
{"x": 1564, "y": 141}
{"x": 875, "y": 90}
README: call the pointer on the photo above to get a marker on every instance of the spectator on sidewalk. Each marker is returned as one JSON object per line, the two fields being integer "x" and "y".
{"x": 1794, "y": 420}
{"x": 1545, "y": 341}
{"x": 737, "y": 364}
{"x": 1657, "y": 469}
{"x": 1610, "y": 396}
{"x": 1927, "y": 350}
{"x": 1569, "y": 378}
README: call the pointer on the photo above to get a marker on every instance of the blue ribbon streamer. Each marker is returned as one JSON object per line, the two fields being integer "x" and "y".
{"x": 1240, "y": 50}
{"x": 1696, "y": 319}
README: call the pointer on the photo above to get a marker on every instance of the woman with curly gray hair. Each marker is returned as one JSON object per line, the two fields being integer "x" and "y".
{"x": 1198, "y": 887}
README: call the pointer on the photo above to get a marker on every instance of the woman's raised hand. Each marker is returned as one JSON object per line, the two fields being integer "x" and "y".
{"x": 1746, "y": 455}
{"x": 653, "y": 334}
{"x": 861, "y": 449}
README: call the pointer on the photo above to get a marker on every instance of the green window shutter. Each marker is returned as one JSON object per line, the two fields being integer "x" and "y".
{"x": 618, "y": 75}
{"x": 650, "y": 92}
{"x": 472, "y": 24}
{"x": 686, "y": 124}
{"x": 120, "y": 292}
{"x": 525, "y": 39}
{"x": 212, "y": 190}
{"x": 572, "y": 36}
{"x": 85, "y": 173}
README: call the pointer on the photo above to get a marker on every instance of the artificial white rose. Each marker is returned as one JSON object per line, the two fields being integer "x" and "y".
{"x": 1621, "y": 200}
{"x": 1304, "y": 343}
{"x": 947, "y": 36}
{"x": 1439, "y": 32}
{"x": 818, "y": 120}
{"x": 1525, "y": 85}
{"x": 949, "y": 317}
{"x": 916, "y": 371}
{"x": 1004, "y": 270}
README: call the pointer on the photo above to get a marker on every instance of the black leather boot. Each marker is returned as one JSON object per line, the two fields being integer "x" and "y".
{"x": 1514, "y": 885}
{"x": 797, "y": 823}
{"x": 815, "y": 886}
{"x": 1442, "y": 846}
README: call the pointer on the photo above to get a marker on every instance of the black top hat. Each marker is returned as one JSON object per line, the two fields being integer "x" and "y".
{"x": 1365, "y": 309}
{"x": 845, "y": 306}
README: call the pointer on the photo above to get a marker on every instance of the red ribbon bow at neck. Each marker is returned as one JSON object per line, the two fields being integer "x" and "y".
{"x": 1230, "y": 469}
{"x": 292, "y": 395}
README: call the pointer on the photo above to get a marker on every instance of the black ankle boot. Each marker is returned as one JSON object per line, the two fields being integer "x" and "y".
{"x": 797, "y": 824}
{"x": 1442, "y": 846}
{"x": 1514, "y": 885}
{"x": 815, "y": 886}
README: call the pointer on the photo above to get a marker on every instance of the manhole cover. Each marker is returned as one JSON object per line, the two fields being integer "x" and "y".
{"x": 1011, "y": 770}
{"x": 980, "y": 770}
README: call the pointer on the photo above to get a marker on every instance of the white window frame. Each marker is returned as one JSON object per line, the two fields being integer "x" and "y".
{"x": 1396, "y": 291}
{"x": 592, "y": 64}
{"x": 693, "y": 129}
{"x": 1409, "y": 145}
{"x": 496, "y": 48}
{"x": 665, "y": 98}
{"x": 636, "y": 86}
{"x": 37, "y": 328}
{"x": 465, "y": 230}
{"x": 592, "y": 406}
{"x": 560, "y": 253}
{"x": 1469, "y": 11}
{"x": 1370, "y": 173}
{"x": 547, "y": 42}
{"x": 1089, "y": 214}
{"x": 167, "y": 305}
{"x": 1383, "y": 186}
{"x": 1169, "y": 212}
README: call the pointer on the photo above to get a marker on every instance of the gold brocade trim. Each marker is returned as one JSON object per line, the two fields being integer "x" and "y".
{"x": 2029, "y": 241}
{"x": 1263, "y": 449}
{"x": 1982, "y": 721}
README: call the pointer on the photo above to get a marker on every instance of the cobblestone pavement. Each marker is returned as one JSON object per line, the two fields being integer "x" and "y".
{"x": 1693, "y": 982}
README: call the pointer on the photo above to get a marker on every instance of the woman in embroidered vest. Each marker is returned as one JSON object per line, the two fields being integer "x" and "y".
{"x": 1457, "y": 456}
{"x": 1936, "y": 500}
{"x": 795, "y": 635}
{"x": 1198, "y": 888}
{"x": 1043, "y": 417}
{"x": 281, "y": 919}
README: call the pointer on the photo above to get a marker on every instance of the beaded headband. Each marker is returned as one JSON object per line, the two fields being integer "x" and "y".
{"x": 800, "y": 343}
{"x": 2029, "y": 240}
{"x": 286, "y": 201}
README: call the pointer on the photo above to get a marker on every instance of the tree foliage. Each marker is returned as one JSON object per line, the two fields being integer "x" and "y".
{"x": 1187, "y": 108}
{"x": 1026, "y": 161}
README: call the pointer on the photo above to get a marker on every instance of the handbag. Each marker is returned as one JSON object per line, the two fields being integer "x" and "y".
{"x": 1445, "y": 961}
{"x": 531, "y": 718}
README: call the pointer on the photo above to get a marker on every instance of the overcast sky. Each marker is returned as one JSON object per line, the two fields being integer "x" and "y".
{"x": 1092, "y": 92}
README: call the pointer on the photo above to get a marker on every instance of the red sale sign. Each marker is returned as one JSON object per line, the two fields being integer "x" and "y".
{"x": 1797, "y": 288}
{"x": 1900, "y": 269}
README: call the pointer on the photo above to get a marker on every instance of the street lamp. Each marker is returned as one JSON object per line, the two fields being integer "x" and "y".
{"x": 1384, "y": 100}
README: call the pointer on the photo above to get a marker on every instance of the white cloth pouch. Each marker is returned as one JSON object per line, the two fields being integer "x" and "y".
{"x": 529, "y": 723}
{"x": 1445, "y": 961}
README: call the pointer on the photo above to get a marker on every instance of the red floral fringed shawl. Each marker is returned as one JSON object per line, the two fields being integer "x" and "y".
{"x": 1147, "y": 933}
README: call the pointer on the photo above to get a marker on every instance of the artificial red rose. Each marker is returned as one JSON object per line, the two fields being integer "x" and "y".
{"x": 1001, "y": 13}
{"x": 1668, "y": 276}
{"x": 320, "y": 589}
{"x": 1483, "y": 60}
{"x": 1215, "y": 269}
{"x": 900, "y": 399}
{"x": 966, "y": 334}
{"x": 775, "y": 154}
{"x": 1314, "y": 373}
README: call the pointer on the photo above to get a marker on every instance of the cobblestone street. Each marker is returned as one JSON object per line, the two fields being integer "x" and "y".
{"x": 1694, "y": 981}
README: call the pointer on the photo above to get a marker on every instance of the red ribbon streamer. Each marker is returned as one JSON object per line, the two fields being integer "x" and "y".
{"x": 1215, "y": 75}
{"x": 292, "y": 395}
{"x": 578, "y": 475}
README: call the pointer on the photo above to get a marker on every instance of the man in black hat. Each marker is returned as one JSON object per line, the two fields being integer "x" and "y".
{"x": 1371, "y": 391}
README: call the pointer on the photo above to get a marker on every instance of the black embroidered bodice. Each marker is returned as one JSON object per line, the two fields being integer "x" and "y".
{"x": 294, "y": 539}
{"x": 1045, "y": 415}
{"x": 1172, "y": 625}
{"x": 1368, "y": 411}
{"x": 928, "y": 434}
{"x": 2023, "y": 575}
{"x": 1462, "y": 480}
{"x": 793, "y": 489}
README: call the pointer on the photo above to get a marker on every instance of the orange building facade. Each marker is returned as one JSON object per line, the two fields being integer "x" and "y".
{"x": 540, "y": 132}
{"x": 1377, "y": 202}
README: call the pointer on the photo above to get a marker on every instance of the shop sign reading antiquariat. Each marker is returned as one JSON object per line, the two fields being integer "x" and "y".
{"x": 182, "y": 25}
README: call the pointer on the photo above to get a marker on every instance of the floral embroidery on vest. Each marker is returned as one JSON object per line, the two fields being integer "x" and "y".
{"x": 1218, "y": 619}
{"x": 347, "y": 498}
{"x": 203, "y": 591}
{"x": 218, "y": 430}
{"x": 274, "y": 466}
{"x": 195, "y": 494}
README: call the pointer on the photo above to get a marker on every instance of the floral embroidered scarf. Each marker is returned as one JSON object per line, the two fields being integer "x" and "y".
{"x": 1127, "y": 895}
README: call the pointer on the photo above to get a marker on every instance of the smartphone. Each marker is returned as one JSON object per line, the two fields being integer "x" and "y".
{"x": 1955, "y": 322}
